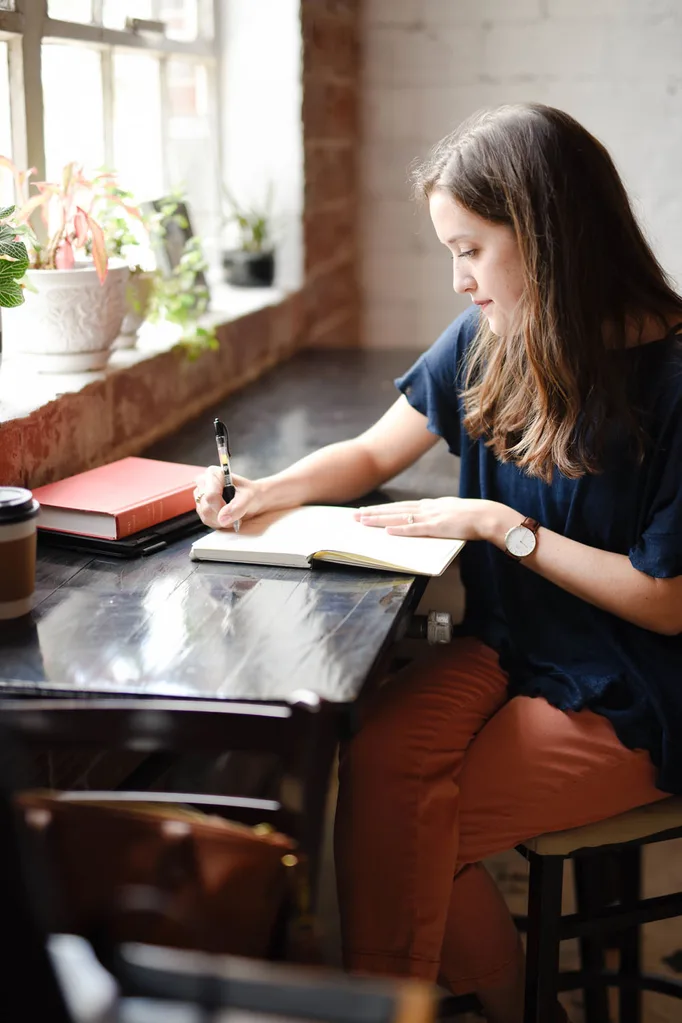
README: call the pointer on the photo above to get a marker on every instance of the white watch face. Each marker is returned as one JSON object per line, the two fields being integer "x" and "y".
{"x": 520, "y": 541}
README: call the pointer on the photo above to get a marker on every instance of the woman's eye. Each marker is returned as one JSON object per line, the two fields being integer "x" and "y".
{"x": 465, "y": 255}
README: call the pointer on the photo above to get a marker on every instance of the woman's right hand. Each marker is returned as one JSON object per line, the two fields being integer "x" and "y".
{"x": 213, "y": 511}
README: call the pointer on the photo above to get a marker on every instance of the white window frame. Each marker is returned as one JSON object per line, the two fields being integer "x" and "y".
{"x": 28, "y": 26}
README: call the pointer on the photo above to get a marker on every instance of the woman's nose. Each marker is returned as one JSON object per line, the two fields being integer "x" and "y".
{"x": 462, "y": 282}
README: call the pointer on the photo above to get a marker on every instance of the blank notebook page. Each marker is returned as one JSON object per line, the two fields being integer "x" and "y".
{"x": 312, "y": 529}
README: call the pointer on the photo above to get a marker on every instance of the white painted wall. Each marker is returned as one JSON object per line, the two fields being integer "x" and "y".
{"x": 260, "y": 96}
{"x": 615, "y": 65}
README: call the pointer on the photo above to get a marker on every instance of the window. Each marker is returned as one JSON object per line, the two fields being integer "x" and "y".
{"x": 126, "y": 84}
{"x": 6, "y": 186}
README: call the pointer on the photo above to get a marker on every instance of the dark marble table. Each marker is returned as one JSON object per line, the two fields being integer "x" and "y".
{"x": 167, "y": 626}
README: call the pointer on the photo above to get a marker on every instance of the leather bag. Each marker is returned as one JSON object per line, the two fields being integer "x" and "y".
{"x": 166, "y": 875}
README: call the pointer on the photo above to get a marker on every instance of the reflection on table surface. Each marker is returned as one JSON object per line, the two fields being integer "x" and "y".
{"x": 168, "y": 626}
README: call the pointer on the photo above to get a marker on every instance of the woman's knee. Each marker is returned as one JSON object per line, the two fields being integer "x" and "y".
{"x": 436, "y": 705}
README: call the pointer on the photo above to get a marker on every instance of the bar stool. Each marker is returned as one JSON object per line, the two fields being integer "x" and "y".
{"x": 624, "y": 835}
{"x": 596, "y": 925}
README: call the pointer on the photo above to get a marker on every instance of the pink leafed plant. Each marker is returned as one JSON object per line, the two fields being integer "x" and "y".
{"x": 66, "y": 208}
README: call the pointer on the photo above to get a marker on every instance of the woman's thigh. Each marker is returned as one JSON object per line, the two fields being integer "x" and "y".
{"x": 438, "y": 703}
{"x": 534, "y": 768}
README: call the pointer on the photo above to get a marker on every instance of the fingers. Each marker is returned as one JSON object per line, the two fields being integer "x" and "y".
{"x": 413, "y": 529}
{"x": 210, "y": 481}
{"x": 387, "y": 515}
{"x": 241, "y": 505}
{"x": 208, "y": 495}
{"x": 230, "y": 513}
{"x": 208, "y": 507}
{"x": 389, "y": 519}
{"x": 396, "y": 508}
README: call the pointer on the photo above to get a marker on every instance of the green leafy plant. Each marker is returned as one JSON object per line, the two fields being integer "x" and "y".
{"x": 13, "y": 261}
{"x": 253, "y": 223}
{"x": 181, "y": 297}
{"x": 119, "y": 235}
{"x": 67, "y": 208}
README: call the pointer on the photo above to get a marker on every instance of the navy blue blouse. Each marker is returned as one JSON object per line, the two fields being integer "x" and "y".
{"x": 552, "y": 643}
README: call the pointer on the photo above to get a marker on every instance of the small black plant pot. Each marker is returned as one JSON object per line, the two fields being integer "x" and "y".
{"x": 249, "y": 269}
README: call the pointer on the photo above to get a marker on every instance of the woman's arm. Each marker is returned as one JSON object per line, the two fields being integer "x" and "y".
{"x": 347, "y": 470}
{"x": 334, "y": 474}
{"x": 602, "y": 578}
{"x": 606, "y": 580}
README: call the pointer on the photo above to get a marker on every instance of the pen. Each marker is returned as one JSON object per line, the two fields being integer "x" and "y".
{"x": 223, "y": 443}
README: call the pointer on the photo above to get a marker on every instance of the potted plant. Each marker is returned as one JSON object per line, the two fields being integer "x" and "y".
{"x": 251, "y": 264}
{"x": 77, "y": 304}
{"x": 13, "y": 265}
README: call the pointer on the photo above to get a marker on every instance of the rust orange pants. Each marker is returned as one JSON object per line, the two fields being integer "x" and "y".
{"x": 445, "y": 771}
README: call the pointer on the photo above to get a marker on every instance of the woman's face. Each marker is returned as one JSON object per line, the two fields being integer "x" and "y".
{"x": 485, "y": 256}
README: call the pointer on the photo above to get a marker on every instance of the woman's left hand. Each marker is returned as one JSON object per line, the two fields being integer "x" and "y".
{"x": 452, "y": 517}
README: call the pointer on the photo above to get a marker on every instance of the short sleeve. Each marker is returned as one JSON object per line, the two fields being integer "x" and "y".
{"x": 658, "y": 552}
{"x": 432, "y": 385}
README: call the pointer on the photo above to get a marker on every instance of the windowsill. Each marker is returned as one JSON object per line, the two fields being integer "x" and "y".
{"x": 55, "y": 425}
{"x": 23, "y": 390}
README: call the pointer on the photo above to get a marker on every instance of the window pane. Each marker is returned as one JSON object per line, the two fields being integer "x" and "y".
{"x": 192, "y": 156}
{"x": 74, "y": 116}
{"x": 206, "y": 26}
{"x": 6, "y": 184}
{"x": 70, "y": 10}
{"x": 138, "y": 145}
{"x": 181, "y": 18}
{"x": 115, "y": 12}
{"x": 6, "y": 5}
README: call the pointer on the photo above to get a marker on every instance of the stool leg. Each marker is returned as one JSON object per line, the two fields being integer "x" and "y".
{"x": 542, "y": 945}
{"x": 589, "y": 899}
{"x": 630, "y": 1001}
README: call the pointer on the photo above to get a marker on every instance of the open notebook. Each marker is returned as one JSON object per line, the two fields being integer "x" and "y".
{"x": 298, "y": 536}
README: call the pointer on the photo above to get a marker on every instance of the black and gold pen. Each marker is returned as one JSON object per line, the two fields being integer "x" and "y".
{"x": 223, "y": 443}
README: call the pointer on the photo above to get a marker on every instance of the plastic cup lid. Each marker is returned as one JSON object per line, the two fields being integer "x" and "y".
{"x": 17, "y": 503}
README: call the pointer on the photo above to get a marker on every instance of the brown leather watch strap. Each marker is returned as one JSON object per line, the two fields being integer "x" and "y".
{"x": 529, "y": 523}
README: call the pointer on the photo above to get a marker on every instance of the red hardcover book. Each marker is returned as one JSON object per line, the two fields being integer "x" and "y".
{"x": 116, "y": 500}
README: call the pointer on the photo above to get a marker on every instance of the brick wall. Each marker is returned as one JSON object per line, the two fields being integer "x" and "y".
{"x": 331, "y": 102}
{"x": 615, "y": 65}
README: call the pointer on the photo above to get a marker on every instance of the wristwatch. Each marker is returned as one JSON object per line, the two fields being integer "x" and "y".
{"x": 520, "y": 541}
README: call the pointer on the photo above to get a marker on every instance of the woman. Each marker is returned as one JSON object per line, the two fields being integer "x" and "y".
{"x": 561, "y": 390}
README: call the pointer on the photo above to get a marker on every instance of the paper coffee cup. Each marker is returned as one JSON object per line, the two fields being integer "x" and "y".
{"x": 18, "y": 513}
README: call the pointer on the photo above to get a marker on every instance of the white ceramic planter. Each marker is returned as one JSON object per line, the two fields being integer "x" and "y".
{"x": 71, "y": 322}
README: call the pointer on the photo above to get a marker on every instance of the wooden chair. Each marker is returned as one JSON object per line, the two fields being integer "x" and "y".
{"x": 302, "y": 735}
{"x": 625, "y": 836}
{"x": 148, "y": 978}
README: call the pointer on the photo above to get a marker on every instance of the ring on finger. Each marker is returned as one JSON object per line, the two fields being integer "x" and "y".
{"x": 410, "y": 519}
{"x": 198, "y": 496}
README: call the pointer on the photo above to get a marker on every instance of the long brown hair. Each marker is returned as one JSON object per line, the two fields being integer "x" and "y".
{"x": 545, "y": 394}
